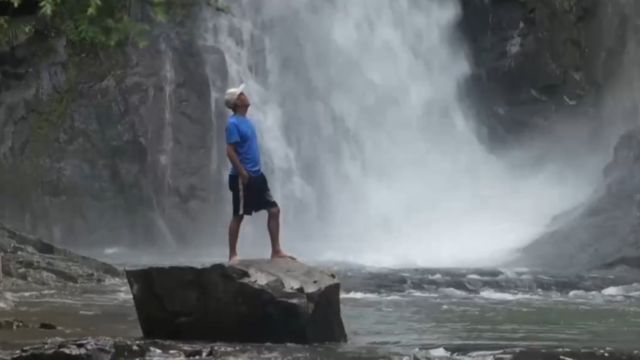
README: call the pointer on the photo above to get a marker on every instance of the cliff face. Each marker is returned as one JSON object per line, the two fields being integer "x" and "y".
{"x": 540, "y": 64}
{"x": 605, "y": 231}
{"x": 111, "y": 148}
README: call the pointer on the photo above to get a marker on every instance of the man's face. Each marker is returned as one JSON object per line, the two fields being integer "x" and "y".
{"x": 243, "y": 101}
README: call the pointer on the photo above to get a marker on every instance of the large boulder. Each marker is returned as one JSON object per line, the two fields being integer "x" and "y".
{"x": 257, "y": 301}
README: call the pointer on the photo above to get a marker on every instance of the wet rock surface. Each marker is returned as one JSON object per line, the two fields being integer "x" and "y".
{"x": 540, "y": 63}
{"x": 29, "y": 260}
{"x": 256, "y": 301}
{"x": 105, "y": 348}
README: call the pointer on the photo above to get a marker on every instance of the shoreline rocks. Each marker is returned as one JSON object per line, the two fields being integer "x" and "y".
{"x": 105, "y": 348}
{"x": 27, "y": 259}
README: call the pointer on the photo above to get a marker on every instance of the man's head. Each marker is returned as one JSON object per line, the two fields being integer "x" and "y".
{"x": 236, "y": 100}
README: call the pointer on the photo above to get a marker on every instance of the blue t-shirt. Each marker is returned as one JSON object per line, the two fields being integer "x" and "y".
{"x": 242, "y": 134}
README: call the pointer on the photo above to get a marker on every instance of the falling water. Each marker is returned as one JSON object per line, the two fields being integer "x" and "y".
{"x": 367, "y": 146}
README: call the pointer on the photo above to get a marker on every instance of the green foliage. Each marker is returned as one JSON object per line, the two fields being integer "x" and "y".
{"x": 98, "y": 23}
{"x": 101, "y": 24}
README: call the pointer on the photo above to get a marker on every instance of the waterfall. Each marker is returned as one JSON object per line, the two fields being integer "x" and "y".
{"x": 365, "y": 140}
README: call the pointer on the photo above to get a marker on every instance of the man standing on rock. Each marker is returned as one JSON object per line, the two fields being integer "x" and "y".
{"x": 248, "y": 185}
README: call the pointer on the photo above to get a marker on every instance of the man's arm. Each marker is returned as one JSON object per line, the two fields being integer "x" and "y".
{"x": 233, "y": 137}
{"x": 232, "y": 154}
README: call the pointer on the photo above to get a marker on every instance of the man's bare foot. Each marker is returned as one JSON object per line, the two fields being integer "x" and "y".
{"x": 234, "y": 259}
{"x": 281, "y": 255}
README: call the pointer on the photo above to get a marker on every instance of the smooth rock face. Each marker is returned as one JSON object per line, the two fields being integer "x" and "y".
{"x": 258, "y": 301}
{"x": 603, "y": 232}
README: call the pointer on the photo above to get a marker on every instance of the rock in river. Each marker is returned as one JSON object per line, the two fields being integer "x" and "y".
{"x": 258, "y": 301}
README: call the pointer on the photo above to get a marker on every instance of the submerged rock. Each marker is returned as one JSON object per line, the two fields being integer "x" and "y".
{"x": 14, "y": 324}
{"x": 258, "y": 301}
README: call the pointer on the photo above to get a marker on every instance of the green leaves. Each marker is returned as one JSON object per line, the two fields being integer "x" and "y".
{"x": 93, "y": 7}
{"x": 101, "y": 23}
{"x": 47, "y": 7}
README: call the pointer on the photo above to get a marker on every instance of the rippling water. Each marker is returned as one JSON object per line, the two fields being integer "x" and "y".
{"x": 390, "y": 313}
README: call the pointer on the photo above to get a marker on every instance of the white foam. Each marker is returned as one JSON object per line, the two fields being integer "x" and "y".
{"x": 438, "y": 352}
{"x": 626, "y": 290}
{"x": 453, "y": 292}
{"x": 494, "y": 295}
{"x": 6, "y": 304}
{"x": 420, "y": 293}
{"x": 368, "y": 296}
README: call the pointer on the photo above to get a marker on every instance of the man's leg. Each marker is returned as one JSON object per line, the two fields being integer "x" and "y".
{"x": 273, "y": 225}
{"x": 265, "y": 201}
{"x": 234, "y": 233}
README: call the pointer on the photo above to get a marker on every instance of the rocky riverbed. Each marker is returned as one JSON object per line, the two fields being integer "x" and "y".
{"x": 388, "y": 314}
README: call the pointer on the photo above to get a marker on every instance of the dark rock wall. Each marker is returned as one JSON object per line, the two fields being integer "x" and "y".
{"x": 537, "y": 63}
{"x": 114, "y": 148}
{"x": 539, "y": 66}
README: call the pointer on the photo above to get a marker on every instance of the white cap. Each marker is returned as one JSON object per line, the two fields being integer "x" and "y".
{"x": 231, "y": 96}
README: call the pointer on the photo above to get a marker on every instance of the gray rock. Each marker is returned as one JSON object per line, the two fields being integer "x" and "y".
{"x": 29, "y": 259}
{"x": 122, "y": 349}
{"x": 257, "y": 301}
{"x": 118, "y": 148}
{"x": 47, "y": 326}
{"x": 603, "y": 232}
{"x": 12, "y": 324}
{"x": 537, "y": 63}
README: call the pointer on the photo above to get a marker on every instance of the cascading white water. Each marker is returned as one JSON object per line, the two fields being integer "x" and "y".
{"x": 366, "y": 144}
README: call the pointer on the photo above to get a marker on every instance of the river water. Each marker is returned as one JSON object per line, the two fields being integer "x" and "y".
{"x": 392, "y": 314}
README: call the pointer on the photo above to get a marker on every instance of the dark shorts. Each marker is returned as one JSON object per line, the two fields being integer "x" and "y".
{"x": 251, "y": 197}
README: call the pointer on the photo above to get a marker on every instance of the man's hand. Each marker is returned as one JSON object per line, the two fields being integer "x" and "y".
{"x": 233, "y": 157}
{"x": 244, "y": 177}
